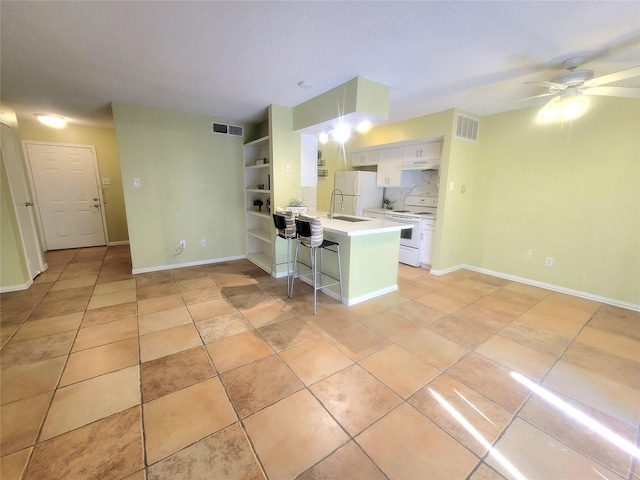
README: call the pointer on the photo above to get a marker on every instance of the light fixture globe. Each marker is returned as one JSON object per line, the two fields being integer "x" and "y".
{"x": 54, "y": 121}
{"x": 567, "y": 106}
{"x": 342, "y": 133}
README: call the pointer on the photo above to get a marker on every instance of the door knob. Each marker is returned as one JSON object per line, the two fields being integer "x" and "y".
{"x": 95, "y": 199}
{"x": 97, "y": 205}
{"x": 28, "y": 204}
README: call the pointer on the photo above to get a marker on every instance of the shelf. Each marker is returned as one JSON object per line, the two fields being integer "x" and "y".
{"x": 261, "y": 235}
{"x": 257, "y": 141}
{"x": 260, "y": 259}
{"x": 258, "y": 190}
{"x": 264, "y": 165}
{"x": 259, "y": 214}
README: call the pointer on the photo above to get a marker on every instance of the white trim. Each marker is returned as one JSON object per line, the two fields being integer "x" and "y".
{"x": 187, "y": 264}
{"x": 115, "y": 244}
{"x": 369, "y": 296}
{"x": 548, "y": 286}
{"x": 16, "y": 288}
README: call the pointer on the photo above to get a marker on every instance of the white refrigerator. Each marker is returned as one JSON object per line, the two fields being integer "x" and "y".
{"x": 360, "y": 191}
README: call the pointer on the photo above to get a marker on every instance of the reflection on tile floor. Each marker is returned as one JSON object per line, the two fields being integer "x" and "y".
{"x": 212, "y": 372}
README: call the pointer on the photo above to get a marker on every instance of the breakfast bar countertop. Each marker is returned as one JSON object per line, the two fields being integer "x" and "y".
{"x": 362, "y": 226}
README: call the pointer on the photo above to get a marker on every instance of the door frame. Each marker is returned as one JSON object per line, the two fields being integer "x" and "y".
{"x": 18, "y": 181}
{"x": 96, "y": 172}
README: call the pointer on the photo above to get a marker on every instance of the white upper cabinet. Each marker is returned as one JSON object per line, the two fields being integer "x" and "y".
{"x": 389, "y": 167}
{"x": 363, "y": 159}
{"x": 421, "y": 155}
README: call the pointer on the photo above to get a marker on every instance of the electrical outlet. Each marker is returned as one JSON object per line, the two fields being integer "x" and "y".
{"x": 548, "y": 262}
{"x": 183, "y": 244}
{"x": 203, "y": 242}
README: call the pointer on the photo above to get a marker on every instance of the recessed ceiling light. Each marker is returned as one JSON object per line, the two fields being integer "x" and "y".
{"x": 54, "y": 121}
{"x": 305, "y": 84}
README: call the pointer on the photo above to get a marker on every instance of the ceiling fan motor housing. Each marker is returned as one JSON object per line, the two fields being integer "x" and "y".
{"x": 573, "y": 78}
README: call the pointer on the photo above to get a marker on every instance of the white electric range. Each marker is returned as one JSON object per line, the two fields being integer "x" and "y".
{"x": 416, "y": 244}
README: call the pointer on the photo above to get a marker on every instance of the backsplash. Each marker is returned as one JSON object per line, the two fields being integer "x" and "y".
{"x": 423, "y": 182}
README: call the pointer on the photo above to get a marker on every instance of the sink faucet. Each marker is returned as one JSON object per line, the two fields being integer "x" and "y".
{"x": 333, "y": 202}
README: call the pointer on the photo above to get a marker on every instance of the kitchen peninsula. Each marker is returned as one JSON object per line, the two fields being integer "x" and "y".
{"x": 368, "y": 253}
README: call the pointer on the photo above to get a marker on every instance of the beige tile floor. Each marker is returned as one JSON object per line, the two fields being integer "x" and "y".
{"x": 212, "y": 372}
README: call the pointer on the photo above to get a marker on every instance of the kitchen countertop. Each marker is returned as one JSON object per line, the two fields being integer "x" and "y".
{"x": 385, "y": 211}
{"x": 351, "y": 229}
{"x": 378, "y": 210}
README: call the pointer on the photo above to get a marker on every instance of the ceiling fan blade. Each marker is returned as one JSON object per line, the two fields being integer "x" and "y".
{"x": 614, "y": 77}
{"x": 614, "y": 91}
{"x": 554, "y": 85}
{"x": 534, "y": 97}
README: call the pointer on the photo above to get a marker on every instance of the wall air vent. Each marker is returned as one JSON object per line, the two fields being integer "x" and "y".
{"x": 467, "y": 128}
{"x": 235, "y": 130}
{"x": 225, "y": 129}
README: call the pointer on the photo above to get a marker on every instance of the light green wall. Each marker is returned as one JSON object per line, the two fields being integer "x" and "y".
{"x": 191, "y": 186}
{"x": 104, "y": 141}
{"x": 455, "y": 200}
{"x": 13, "y": 264}
{"x": 569, "y": 192}
{"x": 285, "y": 151}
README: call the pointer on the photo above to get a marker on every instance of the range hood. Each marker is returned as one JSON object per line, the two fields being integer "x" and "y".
{"x": 431, "y": 165}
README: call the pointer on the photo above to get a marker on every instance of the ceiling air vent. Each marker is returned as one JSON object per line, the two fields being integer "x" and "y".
{"x": 225, "y": 129}
{"x": 467, "y": 128}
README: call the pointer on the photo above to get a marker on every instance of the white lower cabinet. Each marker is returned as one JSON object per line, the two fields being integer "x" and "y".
{"x": 427, "y": 230}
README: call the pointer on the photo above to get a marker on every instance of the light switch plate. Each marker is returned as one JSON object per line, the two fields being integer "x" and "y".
{"x": 106, "y": 181}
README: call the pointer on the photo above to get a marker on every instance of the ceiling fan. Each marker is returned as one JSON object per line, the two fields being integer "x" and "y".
{"x": 582, "y": 81}
{"x": 568, "y": 88}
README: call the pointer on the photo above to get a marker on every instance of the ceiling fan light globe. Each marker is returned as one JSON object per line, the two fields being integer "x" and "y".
{"x": 572, "y": 109}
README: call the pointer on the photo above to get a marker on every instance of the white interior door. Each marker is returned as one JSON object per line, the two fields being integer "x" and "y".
{"x": 13, "y": 161}
{"x": 68, "y": 196}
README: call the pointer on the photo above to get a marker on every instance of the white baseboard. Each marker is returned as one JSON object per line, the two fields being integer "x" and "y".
{"x": 369, "y": 296}
{"x": 16, "y": 288}
{"x": 187, "y": 264}
{"x": 548, "y": 286}
{"x": 122, "y": 242}
{"x": 355, "y": 300}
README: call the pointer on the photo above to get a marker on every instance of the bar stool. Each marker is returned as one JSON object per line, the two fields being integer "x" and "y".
{"x": 310, "y": 235}
{"x": 286, "y": 229}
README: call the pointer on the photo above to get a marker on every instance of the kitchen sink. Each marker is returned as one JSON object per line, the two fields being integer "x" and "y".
{"x": 350, "y": 219}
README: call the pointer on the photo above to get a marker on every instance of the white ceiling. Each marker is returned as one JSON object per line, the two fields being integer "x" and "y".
{"x": 230, "y": 60}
